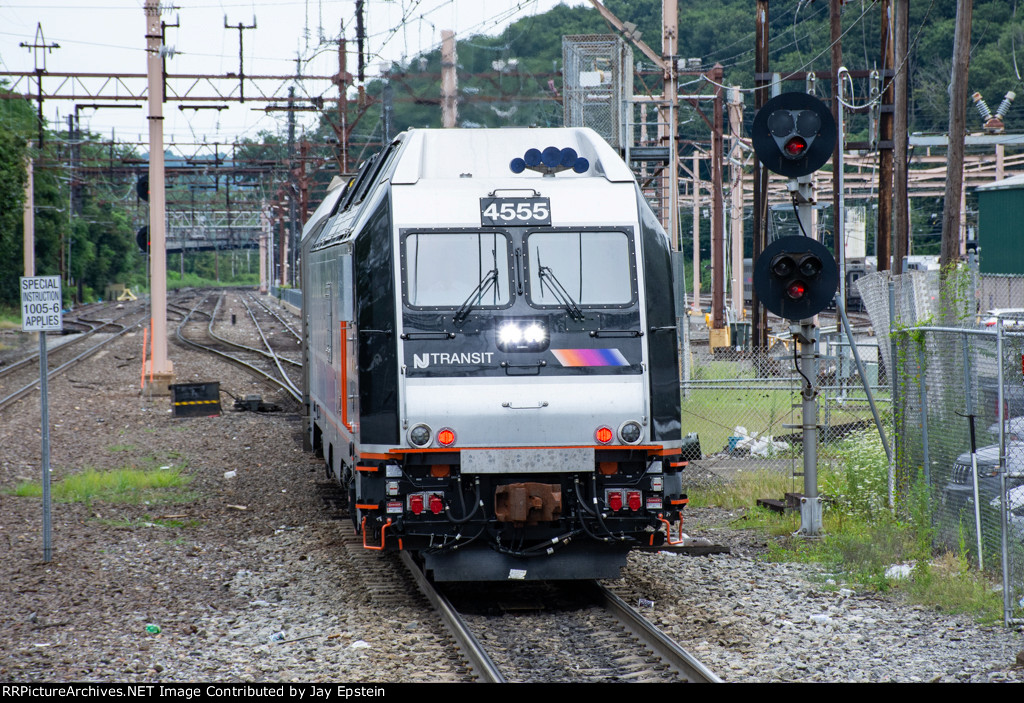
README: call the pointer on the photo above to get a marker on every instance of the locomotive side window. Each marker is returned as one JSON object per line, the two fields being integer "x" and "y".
{"x": 595, "y": 269}
{"x": 450, "y": 269}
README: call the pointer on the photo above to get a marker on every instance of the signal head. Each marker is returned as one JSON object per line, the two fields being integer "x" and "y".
{"x": 795, "y": 277}
{"x": 794, "y": 134}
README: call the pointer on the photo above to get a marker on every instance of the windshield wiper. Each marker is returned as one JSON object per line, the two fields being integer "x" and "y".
{"x": 559, "y": 291}
{"x": 489, "y": 279}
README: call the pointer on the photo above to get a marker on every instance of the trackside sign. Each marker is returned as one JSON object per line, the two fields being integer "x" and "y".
{"x": 41, "y": 304}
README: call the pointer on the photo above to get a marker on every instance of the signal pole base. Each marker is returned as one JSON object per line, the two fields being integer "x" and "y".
{"x": 158, "y": 384}
{"x": 810, "y": 517}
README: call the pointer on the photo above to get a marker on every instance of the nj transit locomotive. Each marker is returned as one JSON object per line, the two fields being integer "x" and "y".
{"x": 491, "y": 354}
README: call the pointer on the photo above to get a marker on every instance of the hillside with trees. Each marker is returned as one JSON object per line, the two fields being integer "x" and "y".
{"x": 511, "y": 79}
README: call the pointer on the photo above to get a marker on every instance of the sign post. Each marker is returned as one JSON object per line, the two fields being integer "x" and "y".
{"x": 41, "y": 302}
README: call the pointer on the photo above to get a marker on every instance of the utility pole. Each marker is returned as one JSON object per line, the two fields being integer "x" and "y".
{"x": 29, "y": 220}
{"x": 957, "y": 125}
{"x": 293, "y": 214}
{"x": 883, "y": 240}
{"x": 39, "y": 49}
{"x": 838, "y": 236}
{"x": 759, "y": 321}
{"x": 717, "y": 208}
{"x": 161, "y": 371}
{"x": 696, "y": 232}
{"x": 736, "y": 198}
{"x": 449, "y": 81}
{"x": 902, "y": 224}
{"x": 669, "y": 50}
{"x": 241, "y": 61}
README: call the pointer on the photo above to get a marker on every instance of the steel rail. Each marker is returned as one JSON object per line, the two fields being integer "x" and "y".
{"x": 666, "y": 648}
{"x": 237, "y": 345}
{"x": 298, "y": 337}
{"x": 482, "y": 665}
{"x": 234, "y": 360}
{"x": 17, "y": 395}
{"x": 270, "y": 349}
{"x": 95, "y": 326}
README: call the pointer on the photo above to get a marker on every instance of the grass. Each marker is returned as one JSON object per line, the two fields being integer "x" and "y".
{"x": 743, "y": 490}
{"x": 861, "y": 537}
{"x": 714, "y": 410}
{"x": 132, "y": 486}
{"x": 191, "y": 280}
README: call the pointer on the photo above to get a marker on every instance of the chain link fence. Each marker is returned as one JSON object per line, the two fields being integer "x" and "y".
{"x": 597, "y": 84}
{"x": 744, "y": 405}
{"x": 935, "y": 366}
{"x": 955, "y": 368}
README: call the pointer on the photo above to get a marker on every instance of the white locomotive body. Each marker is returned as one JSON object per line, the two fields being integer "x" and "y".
{"x": 491, "y": 354}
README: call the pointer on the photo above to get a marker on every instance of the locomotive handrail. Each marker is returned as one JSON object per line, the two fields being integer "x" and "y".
{"x": 613, "y": 334}
{"x": 428, "y": 335}
{"x": 528, "y": 369}
{"x": 492, "y": 194}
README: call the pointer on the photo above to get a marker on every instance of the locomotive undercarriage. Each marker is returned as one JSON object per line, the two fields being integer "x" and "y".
{"x": 487, "y": 526}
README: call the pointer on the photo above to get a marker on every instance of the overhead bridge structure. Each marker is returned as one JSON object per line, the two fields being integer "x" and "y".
{"x": 215, "y": 230}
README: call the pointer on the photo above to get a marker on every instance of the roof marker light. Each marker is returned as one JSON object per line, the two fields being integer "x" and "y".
{"x": 550, "y": 161}
{"x": 551, "y": 157}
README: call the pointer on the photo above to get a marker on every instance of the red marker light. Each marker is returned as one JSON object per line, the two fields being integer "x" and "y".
{"x": 604, "y": 435}
{"x": 446, "y": 437}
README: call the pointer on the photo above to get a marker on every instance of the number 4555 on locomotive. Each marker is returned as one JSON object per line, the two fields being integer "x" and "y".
{"x": 490, "y": 353}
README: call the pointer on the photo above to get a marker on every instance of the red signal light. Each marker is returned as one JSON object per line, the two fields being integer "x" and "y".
{"x": 446, "y": 437}
{"x": 796, "y": 290}
{"x": 604, "y": 435}
{"x": 795, "y": 147}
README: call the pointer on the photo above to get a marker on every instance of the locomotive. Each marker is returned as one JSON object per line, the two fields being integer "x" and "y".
{"x": 490, "y": 354}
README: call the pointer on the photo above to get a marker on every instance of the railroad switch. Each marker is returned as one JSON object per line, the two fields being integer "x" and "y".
{"x": 255, "y": 404}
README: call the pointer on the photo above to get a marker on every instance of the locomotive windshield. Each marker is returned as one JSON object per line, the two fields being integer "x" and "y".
{"x": 456, "y": 269}
{"x": 591, "y": 269}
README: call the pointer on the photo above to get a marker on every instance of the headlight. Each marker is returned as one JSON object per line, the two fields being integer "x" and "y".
{"x": 419, "y": 436}
{"x": 630, "y": 432}
{"x": 522, "y": 336}
{"x": 509, "y": 334}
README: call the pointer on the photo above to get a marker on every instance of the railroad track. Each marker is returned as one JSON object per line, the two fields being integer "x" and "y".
{"x": 547, "y": 633}
{"x": 205, "y": 326}
{"x": 21, "y": 378}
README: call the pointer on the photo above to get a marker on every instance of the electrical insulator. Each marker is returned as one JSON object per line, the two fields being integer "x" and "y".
{"x": 982, "y": 106}
{"x": 1004, "y": 106}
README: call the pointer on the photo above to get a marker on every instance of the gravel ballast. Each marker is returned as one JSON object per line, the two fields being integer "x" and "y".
{"x": 252, "y": 576}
